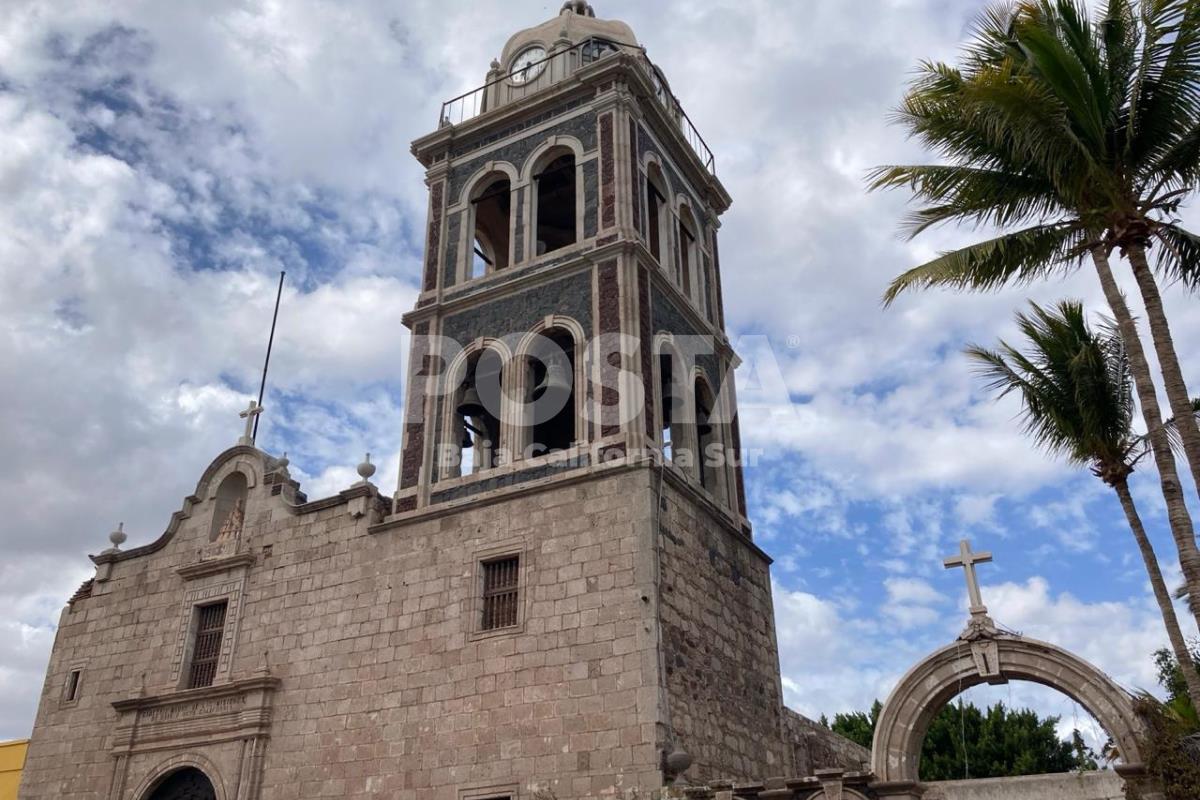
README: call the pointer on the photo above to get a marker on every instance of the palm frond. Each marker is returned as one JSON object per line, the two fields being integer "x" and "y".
{"x": 1178, "y": 254}
{"x": 1075, "y": 390}
{"x": 991, "y": 197}
{"x": 1166, "y": 95}
{"x": 1018, "y": 257}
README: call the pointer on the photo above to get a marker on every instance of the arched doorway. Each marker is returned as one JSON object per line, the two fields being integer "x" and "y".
{"x": 986, "y": 655}
{"x": 188, "y": 783}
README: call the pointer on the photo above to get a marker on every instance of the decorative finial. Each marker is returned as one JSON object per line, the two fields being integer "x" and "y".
{"x": 366, "y": 469}
{"x": 118, "y": 536}
{"x": 495, "y": 64}
{"x": 676, "y": 763}
{"x": 580, "y": 7}
{"x": 283, "y": 462}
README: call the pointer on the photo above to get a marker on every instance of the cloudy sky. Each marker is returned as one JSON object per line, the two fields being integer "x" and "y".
{"x": 161, "y": 162}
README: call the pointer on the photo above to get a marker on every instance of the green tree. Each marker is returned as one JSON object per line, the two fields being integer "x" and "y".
{"x": 1175, "y": 679}
{"x": 857, "y": 726}
{"x": 1077, "y": 402}
{"x": 1076, "y": 139}
{"x": 967, "y": 742}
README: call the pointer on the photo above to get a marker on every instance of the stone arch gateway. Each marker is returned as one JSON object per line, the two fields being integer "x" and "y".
{"x": 985, "y": 655}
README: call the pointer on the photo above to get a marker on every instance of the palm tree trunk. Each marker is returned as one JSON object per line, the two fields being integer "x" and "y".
{"x": 1168, "y": 474}
{"x": 1164, "y": 346}
{"x": 1165, "y": 606}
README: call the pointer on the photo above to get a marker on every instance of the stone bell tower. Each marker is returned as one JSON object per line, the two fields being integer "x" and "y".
{"x": 571, "y": 431}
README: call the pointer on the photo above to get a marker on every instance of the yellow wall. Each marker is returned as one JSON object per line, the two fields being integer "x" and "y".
{"x": 12, "y": 759}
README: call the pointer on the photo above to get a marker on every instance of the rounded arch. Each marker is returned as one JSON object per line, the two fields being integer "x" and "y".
{"x": 927, "y": 687}
{"x": 569, "y": 324}
{"x": 547, "y": 151}
{"x": 168, "y": 769}
{"x": 484, "y": 176}
{"x": 652, "y": 160}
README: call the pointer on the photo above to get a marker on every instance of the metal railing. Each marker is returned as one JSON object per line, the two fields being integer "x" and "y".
{"x": 558, "y": 65}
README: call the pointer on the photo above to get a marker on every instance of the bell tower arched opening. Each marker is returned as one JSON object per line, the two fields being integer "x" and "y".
{"x": 551, "y": 400}
{"x": 557, "y": 223}
{"x": 492, "y": 213}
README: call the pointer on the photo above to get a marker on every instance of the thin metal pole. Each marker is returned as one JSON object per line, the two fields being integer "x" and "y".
{"x": 262, "y": 387}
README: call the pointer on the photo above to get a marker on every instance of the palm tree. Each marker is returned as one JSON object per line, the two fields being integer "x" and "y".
{"x": 1077, "y": 401}
{"x": 1076, "y": 140}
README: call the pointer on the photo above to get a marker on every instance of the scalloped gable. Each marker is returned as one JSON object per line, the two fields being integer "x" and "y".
{"x": 259, "y": 463}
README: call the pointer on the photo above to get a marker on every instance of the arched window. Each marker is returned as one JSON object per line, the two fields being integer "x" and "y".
{"x": 710, "y": 458}
{"x": 474, "y": 435}
{"x": 492, "y": 208}
{"x": 229, "y": 510}
{"x": 657, "y": 213}
{"x": 687, "y": 249}
{"x": 550, "y": 393}
{"x": 556, "y": 205}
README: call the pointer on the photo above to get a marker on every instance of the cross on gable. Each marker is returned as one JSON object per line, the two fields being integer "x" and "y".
{"x": 249, "y": 415}
{"x": 967, "y": 560}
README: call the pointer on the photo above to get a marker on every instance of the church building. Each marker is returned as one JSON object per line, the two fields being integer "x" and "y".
{"x": 562, "y": 598}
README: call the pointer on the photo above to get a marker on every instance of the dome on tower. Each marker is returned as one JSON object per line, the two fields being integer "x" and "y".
{"x": 575, "y": 23}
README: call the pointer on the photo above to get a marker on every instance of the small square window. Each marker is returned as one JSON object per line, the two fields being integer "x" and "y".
{"x": 71, "y": 690}
{"x": 501, "y": 585}
{"x": 206, "y": 651}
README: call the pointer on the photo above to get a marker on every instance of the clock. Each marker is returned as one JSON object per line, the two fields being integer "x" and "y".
{"x": 528, "y": 65}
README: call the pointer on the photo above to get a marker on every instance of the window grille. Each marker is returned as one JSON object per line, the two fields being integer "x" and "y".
{"x": 500, "y": 582}
{"x": 210, "y": 628}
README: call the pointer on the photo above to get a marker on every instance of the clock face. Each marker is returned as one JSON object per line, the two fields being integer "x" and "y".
{"x": 528, "y": 65}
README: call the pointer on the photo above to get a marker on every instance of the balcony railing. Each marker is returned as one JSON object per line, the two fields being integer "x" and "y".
{"x": 556, "y": 66}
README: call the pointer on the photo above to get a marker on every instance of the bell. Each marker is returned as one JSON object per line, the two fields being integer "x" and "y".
{"x": 467, "y": 444}
{"x": 471, "y": 405}
{"x": 556, "y": 382}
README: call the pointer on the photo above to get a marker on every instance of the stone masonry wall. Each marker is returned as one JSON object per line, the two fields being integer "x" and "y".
{"x": 721, "y": 656}
{"x": 386, "y": 687}
{"x": 816, "y": 747}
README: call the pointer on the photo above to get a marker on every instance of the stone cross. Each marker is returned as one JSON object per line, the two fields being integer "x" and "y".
{"x": 249, "y": 415}
{"x": 967, "y": 560}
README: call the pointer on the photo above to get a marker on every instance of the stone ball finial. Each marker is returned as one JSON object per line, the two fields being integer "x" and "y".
{"x": 366, "y": 469}
{"x": 283, "y": 462}
{"x": 118, "y": 536}
{"x": 495, "y": 63}
{"x": 678, "y": 762}
{"x": 580, "y": 7}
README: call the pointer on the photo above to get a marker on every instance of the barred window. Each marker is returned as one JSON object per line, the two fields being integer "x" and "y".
{"x": 500, "y": 582}
{"x": 210, "y": 628}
